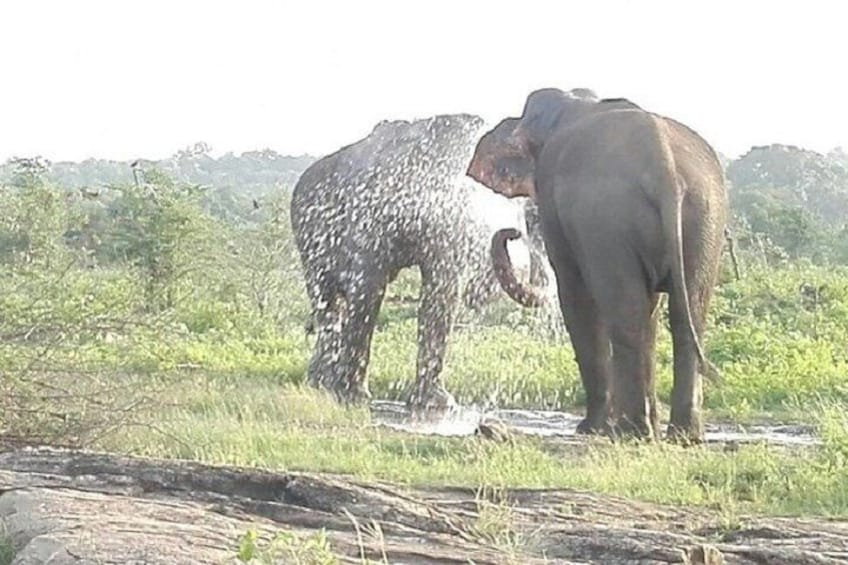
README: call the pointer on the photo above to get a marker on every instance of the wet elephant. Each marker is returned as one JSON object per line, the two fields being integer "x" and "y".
{"x": 397, "y": 198}
{"x": 631, "y": 205}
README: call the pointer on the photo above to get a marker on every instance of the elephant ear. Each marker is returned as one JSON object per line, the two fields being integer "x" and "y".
{"x": 501, "y": 164}
{"x": 493, "y": 145}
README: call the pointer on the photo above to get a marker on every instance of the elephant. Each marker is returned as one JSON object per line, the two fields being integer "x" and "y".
{"x": 397, "y": 198}
{"x": 632, "y": 204}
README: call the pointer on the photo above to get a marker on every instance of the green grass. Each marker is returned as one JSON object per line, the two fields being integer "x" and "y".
{"x": 286, "y": 428}
{"x": 782, "y": 357}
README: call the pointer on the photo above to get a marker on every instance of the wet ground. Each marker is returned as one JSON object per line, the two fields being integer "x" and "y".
{"x": 548, "y": 423}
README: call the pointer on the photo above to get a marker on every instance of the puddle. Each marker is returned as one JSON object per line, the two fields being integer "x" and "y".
{"x": 549, "y": 423}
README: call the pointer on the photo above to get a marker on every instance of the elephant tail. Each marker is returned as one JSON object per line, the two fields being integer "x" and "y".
{"x": 671, "y": 209}
{"x": 504, "y": 272}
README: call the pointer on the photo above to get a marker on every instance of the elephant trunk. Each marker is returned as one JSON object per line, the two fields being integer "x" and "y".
{"x": 523, "y": 294}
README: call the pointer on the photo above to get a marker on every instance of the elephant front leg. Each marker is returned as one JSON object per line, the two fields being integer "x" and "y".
{"x": 439, "y": 297}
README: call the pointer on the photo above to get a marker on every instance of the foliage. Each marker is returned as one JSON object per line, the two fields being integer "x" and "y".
{"x": 233, "y": 180}
{"x": 267, "y": 266}
{"x": 286, "y": 547}
{"x": 791, "y": 202}
{"x": 157, "y": 228}
{"x": 7, "y": 550}
{"x": 34, "y": 216}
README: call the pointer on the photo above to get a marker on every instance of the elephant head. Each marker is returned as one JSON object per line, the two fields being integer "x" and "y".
{"x": 504, "y": 161}
{"x": 547, "y": 109}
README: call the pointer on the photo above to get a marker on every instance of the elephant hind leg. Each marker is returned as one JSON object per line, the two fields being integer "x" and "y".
{"x": 591, "y": 345}
{"x": 628, "y": 311}
{"x": 343, "y": 348}
{"x": 703, "y": 256}
{"x": 686, "y": 423}
{"x": 328, "y": 344}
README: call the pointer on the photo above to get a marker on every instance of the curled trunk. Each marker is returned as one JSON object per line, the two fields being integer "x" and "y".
{"x": 525, "y": 295}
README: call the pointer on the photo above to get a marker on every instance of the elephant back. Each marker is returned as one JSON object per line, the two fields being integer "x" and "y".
{"x": 401, "y": 182}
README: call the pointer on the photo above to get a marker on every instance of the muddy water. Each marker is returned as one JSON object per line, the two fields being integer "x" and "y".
{"x": 547, "y": 423}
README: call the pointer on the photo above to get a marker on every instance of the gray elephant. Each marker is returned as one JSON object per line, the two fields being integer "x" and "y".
{"x": 397, "y": 198}
{"x": 631, "y": 205}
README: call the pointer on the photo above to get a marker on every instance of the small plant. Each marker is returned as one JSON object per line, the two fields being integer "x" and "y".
{"x": 286, "y": 547}
{"x": 496, "y": 523}
{"x": 7, "y": 550}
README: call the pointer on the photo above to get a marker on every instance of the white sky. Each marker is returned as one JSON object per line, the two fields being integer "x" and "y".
{"x": 119, "y": 79}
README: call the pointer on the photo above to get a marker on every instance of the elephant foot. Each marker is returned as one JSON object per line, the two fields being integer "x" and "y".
{"x": 597, "y": 420}
{"x": 593, "y": 426}
{"x": 431, "y": 401}
{"x": 686, "y": 426}
{"x": 685, "y": 436}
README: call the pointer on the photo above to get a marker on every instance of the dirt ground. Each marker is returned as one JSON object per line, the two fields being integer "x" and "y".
{"x": 61, "y": 506}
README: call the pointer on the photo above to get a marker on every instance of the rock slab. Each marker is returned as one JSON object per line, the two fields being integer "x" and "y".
{"x": 61, "y": 507}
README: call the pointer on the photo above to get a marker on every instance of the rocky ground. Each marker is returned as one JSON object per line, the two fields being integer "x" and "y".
{"x": 61, "y": 506}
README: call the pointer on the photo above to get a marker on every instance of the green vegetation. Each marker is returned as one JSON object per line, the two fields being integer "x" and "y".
{"x": 7, "y": 551}
{"x": 286, "y": 547}
{"x": 166, "y": 318}
{"x": 790, "y": 203}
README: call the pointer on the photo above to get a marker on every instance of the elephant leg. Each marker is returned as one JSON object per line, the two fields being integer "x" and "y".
{"x": 633, "y": 404}
{"x": 360, "y": 328}
{"x": 686, "y": 424}
{"x": 312, "y": 277}
{"x": 327, "y": 315}
{"x": 702, "y": 253}
{"x": 591, "y": 348}
{"x": 439, "y": 297}
{"x": 627, "y": 309}
{"x": 343, "y": 348}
